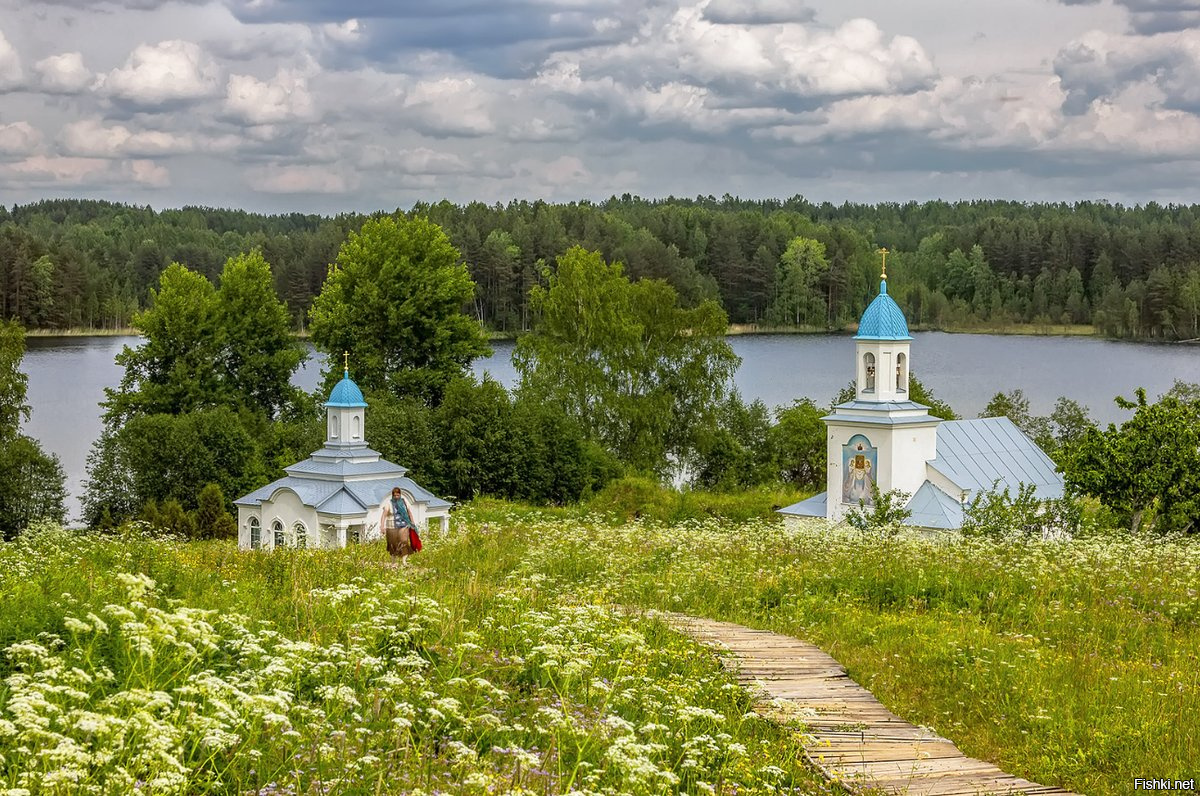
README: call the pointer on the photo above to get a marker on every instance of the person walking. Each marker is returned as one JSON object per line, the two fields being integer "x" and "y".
{"x": 397, "y": 524}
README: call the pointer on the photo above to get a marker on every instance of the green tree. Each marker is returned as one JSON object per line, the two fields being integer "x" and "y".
{"x": 555, "y": 461}
{"x": 884, "y": 516}
{"x": 174, "y": 519}
{"x": 257, "y": 352}
{"x": 31, "y": 482}
{"x": 31, "y": 486}
{"x": 998, "y": 514}
{"x": 475, "y": 436}
{"x": 736, "y": 452}
{"x": 1149, "y": 464}
{"x": 394, "y": 299}
{"x": 212, "y": 519}
{"x": 798, "y": 440}
{"x": 638, "y": 371}
{"x": 13, "y": 382}
{"x": 1068, "y": 424}
{"x": 171, "y": 457}
{"x": 801, "y": 267}
{"x": 1013, "y": 405}
{"x": 174, "y": 370}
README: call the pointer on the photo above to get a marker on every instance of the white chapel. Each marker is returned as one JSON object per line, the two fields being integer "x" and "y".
{"x": 883, "y": 438}
{"x": 335, "y": 496}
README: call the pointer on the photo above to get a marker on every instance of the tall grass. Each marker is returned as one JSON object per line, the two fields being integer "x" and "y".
{"x": 1071, "y": 663}
{"x": 496, "y": 662}
{"x": 145, "y": 665}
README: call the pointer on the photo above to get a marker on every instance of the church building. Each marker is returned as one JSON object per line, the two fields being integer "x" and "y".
{"x": 335, "y": 496}
{"x": 882, "y": 438}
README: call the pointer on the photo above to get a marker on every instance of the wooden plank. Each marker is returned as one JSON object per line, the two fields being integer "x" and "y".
{"x": 850, "y": 736}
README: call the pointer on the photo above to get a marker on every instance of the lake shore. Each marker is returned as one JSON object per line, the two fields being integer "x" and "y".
{"x": 1020, "y": 329}
{"x": 82, "y": 331}
{"x": 735, "y": 329}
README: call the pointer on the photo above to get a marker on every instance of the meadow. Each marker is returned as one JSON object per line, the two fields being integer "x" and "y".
{"x": 138, "y": 664}
{"x": 507, "y": 659}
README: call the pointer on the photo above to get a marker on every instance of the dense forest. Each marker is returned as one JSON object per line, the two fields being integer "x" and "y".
{"x": 1131, "y": 272}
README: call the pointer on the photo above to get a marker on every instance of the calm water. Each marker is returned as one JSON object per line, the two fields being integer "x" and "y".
{"x": 67, "y": 376}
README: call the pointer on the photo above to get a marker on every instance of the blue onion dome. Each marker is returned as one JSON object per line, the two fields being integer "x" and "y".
{"x": 883, "y": 319}
{"x": 346, "y": 393}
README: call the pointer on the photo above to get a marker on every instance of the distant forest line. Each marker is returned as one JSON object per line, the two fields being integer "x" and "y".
{"x": 1129, "y": 271}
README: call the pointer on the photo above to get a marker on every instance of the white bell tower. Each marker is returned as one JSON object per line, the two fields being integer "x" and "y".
{"x": 345, "y": 413}
{"x": 882, "y": 438}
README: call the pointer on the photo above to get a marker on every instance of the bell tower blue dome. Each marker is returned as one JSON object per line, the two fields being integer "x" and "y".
{"x": 346, "y": 394}
{"x": 883, "y": 319}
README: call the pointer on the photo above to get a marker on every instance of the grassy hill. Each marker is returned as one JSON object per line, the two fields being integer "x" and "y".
{"x": 497, "y": 661}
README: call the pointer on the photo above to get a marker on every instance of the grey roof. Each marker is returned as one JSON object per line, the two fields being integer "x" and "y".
{"x": 351, "y": 498}
{"x": 854, "y": 403}
{"x": 343, "y": 467}
{"x": 371, "y": 493}
{"x": 933, "y": 508}
{"x": 975, "y": 454}
{"x": 882, "y": 416}
{"x": 814, "y": 506}
{"x": 311, "y": 492}
{"x": 342, "y": 503}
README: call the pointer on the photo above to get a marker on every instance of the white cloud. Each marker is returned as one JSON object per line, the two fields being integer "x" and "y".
{"x": 449, "y": 106}
{"x": 955, "y": 113}
{"x": 167, "y": 73}
{"x": 10, "y": 65}
{"x": 19, "y": 138}
{"x": 1132, "y": 123}
{"x": 756, "y": 12}
{"x": 57, "y": 171}
{"x": 417, "y": 160}
{"x": 148, "y": 173}
{"x": 1100, "y": 64}
{"x": 346, "y": 32}
{"x": 63, "y": 74}
{"x": 299, "y": 179}
{"x": 805, "y": 60}
{"x": 91, "y": 138}
{"x": 284, "y": 97}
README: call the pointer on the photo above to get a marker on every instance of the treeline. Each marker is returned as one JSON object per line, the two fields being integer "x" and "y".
{"x": 1130, "y": 271}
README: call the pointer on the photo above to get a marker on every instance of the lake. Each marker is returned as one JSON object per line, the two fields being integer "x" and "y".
{"x": 67, "y": 376}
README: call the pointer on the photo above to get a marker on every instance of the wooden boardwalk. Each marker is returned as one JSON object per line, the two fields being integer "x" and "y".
{"x": 851, "y": 737}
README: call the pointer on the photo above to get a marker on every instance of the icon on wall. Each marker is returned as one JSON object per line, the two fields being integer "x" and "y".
{"x": 860, "y": 461}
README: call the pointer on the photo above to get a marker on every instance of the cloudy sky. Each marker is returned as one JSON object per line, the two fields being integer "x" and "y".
{"x": 365, "y": 104}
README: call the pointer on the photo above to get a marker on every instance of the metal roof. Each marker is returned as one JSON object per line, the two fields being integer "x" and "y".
{"x": 933, "y": 508}
{"x": 883, "y": 319}
{"x": 342, "y": 468}
{"x": 346, "y": 394}
{"x": 348, "y": 499}
{"x": 342, "y": 503}
{"x": 815, "y": 506}
{"x": 975, "y": 454}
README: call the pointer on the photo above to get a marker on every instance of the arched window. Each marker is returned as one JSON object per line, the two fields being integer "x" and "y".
{"x": 333, "y": 427}
{"x": 869, "y": 365}
{"x": 277, "y": 533}
{"x": 901, "y": 372}
{"x": 301, "y": 534}
{"x": 255, "y": 533}
{"x": 357, "y": 429}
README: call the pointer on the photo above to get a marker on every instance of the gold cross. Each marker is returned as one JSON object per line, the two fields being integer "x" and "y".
{"x": 884, "y": 252}
{"x": 346, "y": 361}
